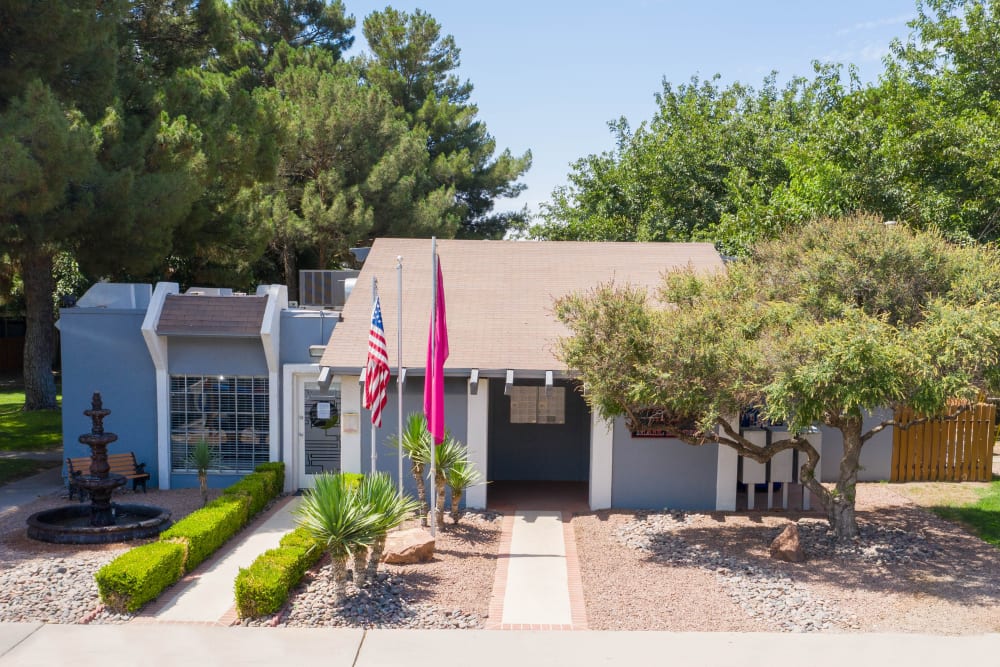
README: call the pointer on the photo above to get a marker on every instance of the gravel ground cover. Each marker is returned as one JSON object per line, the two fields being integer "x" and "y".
{"x": 910, "y": 572}
{"x": 452, "y": 591}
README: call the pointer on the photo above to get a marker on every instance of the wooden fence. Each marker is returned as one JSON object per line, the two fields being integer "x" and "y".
{"x": 956, "y": 450}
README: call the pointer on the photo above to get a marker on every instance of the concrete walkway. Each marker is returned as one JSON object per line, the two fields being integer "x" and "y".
{"x": 206, "y": 595}
{"x": 23, "y": 491}
{"x": 36, "y": 644}
{"x": 537, "y": 590}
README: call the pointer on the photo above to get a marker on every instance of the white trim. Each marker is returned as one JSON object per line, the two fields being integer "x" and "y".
{"x": 601, "y": 461}
{"x": 350, "y": 443}
{"x": 293, "y": 421}
{"x": 159, "y": 354}
{"x": 478, "y": 431}
{"x": 725, "y": 476}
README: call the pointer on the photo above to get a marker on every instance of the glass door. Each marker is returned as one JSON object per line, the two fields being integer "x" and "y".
{"x": 321, "y": 435}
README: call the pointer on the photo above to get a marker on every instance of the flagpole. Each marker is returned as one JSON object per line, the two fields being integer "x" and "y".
{"x": 399, "y": 367}
{"x": 433, "y": 358}
{"x": 374, "y": 428}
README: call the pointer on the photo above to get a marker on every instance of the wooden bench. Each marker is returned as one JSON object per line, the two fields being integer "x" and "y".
{"x": 121, "y": 464}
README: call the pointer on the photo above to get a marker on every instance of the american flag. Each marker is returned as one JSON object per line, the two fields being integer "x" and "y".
{"x": 377, "y": 369}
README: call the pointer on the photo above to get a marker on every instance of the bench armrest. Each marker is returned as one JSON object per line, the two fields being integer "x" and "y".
{"x": 140, "y": 467}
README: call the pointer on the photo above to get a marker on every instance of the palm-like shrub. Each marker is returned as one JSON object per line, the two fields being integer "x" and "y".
{"x": 446, "y": 456}
{"x": 202, "y": 459}
{"x": 416, "y": 445}
{"x": 333, "y": 513}
{"x": 379, "y": 492}
{"x": 460, "y": 476}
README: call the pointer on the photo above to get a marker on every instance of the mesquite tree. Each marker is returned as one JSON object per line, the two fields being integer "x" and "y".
{"x": 824, "y": 326}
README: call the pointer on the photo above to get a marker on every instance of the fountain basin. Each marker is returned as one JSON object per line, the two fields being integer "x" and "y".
{"x": 70, "y": 524}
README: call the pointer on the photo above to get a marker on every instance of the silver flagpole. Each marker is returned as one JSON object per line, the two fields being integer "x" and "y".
{"x": 367, "y": 379}
{"x": 399, "y": 368}
{"x": 433, "y": 360}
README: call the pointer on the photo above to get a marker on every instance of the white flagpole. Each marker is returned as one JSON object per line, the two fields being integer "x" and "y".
{"x": 399, "y": 368}
{"x": 374, "y": 451}
{"x": 433, "y": 360}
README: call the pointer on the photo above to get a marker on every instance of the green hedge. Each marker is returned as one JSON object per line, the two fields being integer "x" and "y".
{"x": 130, "y": 583}
{"x": 257, "y": 486}
{"x": 263, "y": 587}
{"x": 206, "y": 530}
{"x": 140, "y": 575}
{"x": 277, "y": 471}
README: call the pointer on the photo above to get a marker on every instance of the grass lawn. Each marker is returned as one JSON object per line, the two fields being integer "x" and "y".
{"x": 27, "y": 431}
{"x": 12, "y": 469}
{"x": 982, "y": 515}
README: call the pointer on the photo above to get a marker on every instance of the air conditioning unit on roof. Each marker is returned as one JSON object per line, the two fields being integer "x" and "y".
{"x": 323, "y": 289}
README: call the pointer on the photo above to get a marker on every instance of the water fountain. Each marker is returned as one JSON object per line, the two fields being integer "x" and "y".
{"x": 102, "y": 521}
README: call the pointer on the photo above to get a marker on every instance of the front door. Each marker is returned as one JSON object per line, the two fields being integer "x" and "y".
{"x": 320, "y": 439}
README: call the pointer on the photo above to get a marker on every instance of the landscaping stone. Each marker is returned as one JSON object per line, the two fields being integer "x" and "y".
{"x": 404, "y": 547}
{"x": 787, "y": 547}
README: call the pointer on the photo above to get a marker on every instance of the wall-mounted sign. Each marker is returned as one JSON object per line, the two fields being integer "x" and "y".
{"x": 350, "y": 422}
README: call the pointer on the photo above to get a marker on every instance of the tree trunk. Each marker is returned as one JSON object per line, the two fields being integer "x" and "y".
{"x": 203, "y": 483}
{"x": 360, "y": 566}
{"x": 418, "y": 474}
{"x": 375, "y": 556}
{"x": 288, "y": 266}
{"x": 339, "y": 574}
{"x": 839, "y": 503}
{"x": 456, "y": 505}
{"x": 39, "y": 335}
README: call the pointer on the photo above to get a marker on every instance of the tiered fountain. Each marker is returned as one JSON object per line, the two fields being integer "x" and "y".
{"x": 102, "y": 521}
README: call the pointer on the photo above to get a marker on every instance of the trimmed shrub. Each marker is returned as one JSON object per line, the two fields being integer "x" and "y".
{"x": 257, "y": 486}
{"x": 237, "y": 499}
{"x": 262, "y": 588}
{"x": 277, "y": 469}
{"x": 140, "y": 575}
{"x": 206, "y": 530}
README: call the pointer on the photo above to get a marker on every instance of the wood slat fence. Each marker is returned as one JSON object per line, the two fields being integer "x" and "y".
{"x": 956, "y": 450}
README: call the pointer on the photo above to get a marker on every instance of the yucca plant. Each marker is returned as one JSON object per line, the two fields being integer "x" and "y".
{"x": 379, "y": 492}
{"x": 203, "y": 459}
{"x": 333, "y": 513}
{"x": 461, "y": 476}
{"x": 446, "y": 455}
{"x": 415, "y": 445}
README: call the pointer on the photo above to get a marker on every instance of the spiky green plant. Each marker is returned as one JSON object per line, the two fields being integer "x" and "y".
{"x": 332, "y": 512}
{"x": 461, "y": 476}
{"x": 416, "y": 446}
{"x": 446, "y": 455}
{"x": 379, "y": 492}
{"x": 203, "y": 458}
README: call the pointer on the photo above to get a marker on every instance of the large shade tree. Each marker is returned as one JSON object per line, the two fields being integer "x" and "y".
{"x": 828, "y": 325}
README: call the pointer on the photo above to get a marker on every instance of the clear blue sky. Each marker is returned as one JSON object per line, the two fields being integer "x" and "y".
{"x": 550, "y": 74}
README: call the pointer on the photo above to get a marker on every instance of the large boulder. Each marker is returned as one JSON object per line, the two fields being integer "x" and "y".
{"x": 414, "y": 545}
{"x": 787, "y": 547}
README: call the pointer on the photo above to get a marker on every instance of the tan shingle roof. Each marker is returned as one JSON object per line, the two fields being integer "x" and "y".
{"x": 499, "y": 296}
{"x": 198, "y": 315}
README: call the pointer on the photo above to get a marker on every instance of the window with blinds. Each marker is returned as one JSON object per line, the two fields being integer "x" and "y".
{"x": 532, "y": 405}
{"x": 230, "y": 413}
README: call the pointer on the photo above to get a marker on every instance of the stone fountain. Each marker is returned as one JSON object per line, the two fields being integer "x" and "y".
{"x": 102, "y": 521}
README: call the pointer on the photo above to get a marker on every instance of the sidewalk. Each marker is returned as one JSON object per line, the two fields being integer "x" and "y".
{"x": 23, "y": 491}
{"x": 35, "y": 644}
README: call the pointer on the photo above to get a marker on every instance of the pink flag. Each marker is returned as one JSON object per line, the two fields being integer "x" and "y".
{"x": 434, "y": 379}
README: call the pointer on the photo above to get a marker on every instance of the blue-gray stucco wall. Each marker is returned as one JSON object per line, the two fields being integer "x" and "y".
{"x": 204, "y": 355}
{"x": 876, "y": 454}
{"x": 557, "y": 452}
{"x": 103, "y": 350}
{"x": 301, "y": 328}
{"x": 657, "y": 473}
{"x": 455, "y": 414}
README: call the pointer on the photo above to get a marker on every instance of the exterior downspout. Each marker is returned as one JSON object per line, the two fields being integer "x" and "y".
{"x": 158, "y": 352}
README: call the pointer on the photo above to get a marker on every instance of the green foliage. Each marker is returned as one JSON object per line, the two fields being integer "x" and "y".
{"x": 983, "y": 516}
{"x": 27, "y": 431}
{"x": 262, "y": 588}
{"x": 837, "y": 319}
{"x": 332, "y": 513}
{"x": 379, "y": 493}
{"x": 207, "y": 529}
{"x": 257, "y": 486}
{"x": 277, "y": 471}
{"x": 139, "y": 575}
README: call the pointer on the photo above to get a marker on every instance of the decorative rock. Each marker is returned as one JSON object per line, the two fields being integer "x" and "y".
{"x": 409, "y": 546}
{"x": 787, "y": 547}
